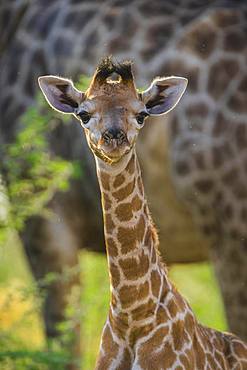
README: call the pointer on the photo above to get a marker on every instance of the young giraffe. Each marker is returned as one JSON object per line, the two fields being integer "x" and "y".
{"x": 203, "y": 41}
{"x": 150, "y": 325}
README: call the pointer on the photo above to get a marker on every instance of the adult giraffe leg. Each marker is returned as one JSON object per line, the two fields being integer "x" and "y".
{"x": 213, "y": 209}
{"x": 230, "y": 261}
{"x": 51, "y": 249}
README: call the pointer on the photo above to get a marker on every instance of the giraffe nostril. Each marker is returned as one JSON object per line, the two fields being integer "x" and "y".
{"x": 114, "y": 134}
{"x": 107, "y": 136}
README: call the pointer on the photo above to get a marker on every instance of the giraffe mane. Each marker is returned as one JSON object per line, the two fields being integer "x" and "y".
{"x": 107, "y": 67}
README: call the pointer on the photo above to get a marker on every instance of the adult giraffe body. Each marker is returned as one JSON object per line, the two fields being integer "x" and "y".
{"x": 150, "y": 325}
{"x": 206, "y": 136}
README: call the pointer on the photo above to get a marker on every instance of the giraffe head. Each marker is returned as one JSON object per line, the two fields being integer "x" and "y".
{"x": 112, "y": 111}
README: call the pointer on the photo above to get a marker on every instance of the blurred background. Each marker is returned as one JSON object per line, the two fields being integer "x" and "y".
{"x": 54, "y": 288}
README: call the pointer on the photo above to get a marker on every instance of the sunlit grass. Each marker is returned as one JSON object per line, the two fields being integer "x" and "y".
{"x": 95, "y": 300}
{"x": 198, "y": 285}
{"x": 18, "y": 313}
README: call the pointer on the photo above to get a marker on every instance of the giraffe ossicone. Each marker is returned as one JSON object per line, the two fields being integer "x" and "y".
{"x": 149, "y": 325}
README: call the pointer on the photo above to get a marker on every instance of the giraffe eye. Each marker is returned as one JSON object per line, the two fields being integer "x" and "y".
{"x": 140, "y": 117}
{"x": 84, "y": 116}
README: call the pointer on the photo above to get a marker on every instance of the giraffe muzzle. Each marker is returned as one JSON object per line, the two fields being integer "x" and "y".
{"x": 114, "y": 137}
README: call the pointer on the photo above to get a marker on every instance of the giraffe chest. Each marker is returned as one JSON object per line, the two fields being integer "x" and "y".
{"x": 165, "y": 347}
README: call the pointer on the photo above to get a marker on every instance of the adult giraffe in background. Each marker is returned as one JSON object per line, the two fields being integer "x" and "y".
{"x": 206, "y": 136}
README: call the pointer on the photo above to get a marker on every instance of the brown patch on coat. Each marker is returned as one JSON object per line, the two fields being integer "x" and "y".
{"x": 221, "y": 74}
{"x": 240, "y": 191}
{"x": 161, "y": 316}
{"x": 238, "y": 100}
{"x": 110, "y": 348}
{"x": 109, "y": 224}
{"x": 190, "y": 355}
{"x": 104, "y": 178}
{"x": 124, "y": 192}
{"x": 200, "y": 160}
{"x": 221, "y": 154}
{"x": 119, "y": 324}
{"x": 182, "y": 168}
{"x": 154, "y": 255}
{"x": 230, "y": 176}
{"x": 154, "y": 342}
{"x": 148, "y": 237}
{"x": 112, "y": 248}
{"x": 200, "y": 40}
{"x": 152, "y": 359}
{"x": 124, "y": 211}
{"x": 189, "y": 323}
{"x": 217, "y": 156}
{"x": 129, "y": 294}
{"x": 172, "y": 307}
{"x": 144, "y": 310}
{"x": 204, "y": 186}
{"x": 228, "y": 212}
{"x": 234, "y": 41}
{"x": 220, "y": 125}
{"x": 241, "y": 135}
{"x": 200, "y": 355}
{"x": 131, "y": 165}
{"x": 106, "y": 203}
{"x": 119, "y": 180}
{"x": 243, "y": 214}
{"x": 179, "y": 300}
{"x": 114, "y": 275}
{"x": 211, "y": 361}
{"x": 224, "y": 18}
{"x": 199, "y": 109}
{"x": 185, "y": 361}
{"x": 129, "y": 237}
{"x": 136, "y": 203}
{"x": 239, "y": 349}
{"x": 139, "y": 332}
{"x": 177, "y": 334}
{"x": 155, "y": 283}
{"x": 134, "y": 268}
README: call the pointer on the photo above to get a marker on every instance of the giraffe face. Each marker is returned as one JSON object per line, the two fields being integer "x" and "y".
{"x": 112, "y": 112}
{"x": 112, "y": 118}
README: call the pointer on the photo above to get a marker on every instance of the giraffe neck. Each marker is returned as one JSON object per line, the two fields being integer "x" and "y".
{"x": 137, "y": 277}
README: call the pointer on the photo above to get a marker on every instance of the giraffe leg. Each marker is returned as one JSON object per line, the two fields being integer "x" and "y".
{"x": 230, "y": 261}
{"x": 51, "y": 249}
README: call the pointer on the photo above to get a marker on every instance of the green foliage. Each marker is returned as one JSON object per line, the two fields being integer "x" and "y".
{"x": 32, "y": 360}
{"x": 83, "y": 83}
{"x": 33, "y": 173}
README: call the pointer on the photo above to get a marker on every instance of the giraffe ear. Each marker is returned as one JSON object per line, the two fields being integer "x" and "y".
{"x": 60, "y": 93}
{"x": 164, "y": 94}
